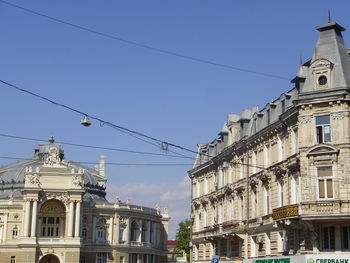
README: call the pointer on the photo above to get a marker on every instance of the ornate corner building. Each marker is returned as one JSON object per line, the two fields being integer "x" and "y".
{"x": 275, "y": 183}
{"x": 55, "y": 211}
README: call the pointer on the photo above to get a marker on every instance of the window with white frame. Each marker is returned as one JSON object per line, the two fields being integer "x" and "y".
{"x": 282, "y": 241}
{"x": 266, "y": 200}
{"x": 50, "y": 226}
{"x": 323, "y": 128}
{"x": 13, "y": 259}
{"x": 267, "y": 244}
{"x": 325, "y": 182}
{"x": 254, "y": 247}
{"x": 281, "y": 193}
{"x": 328, "y": 237}
{"x": 101, "y": 234}
{"x": 15, "y": 232}
{"x": 254, "y": 204}
{"x": 295, "y": 188}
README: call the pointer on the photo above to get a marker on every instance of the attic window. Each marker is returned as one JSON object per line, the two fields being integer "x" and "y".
{"x": 322, "y": 80}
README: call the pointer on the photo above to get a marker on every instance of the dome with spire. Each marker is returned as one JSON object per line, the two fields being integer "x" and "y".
{"x": 49, "y": 158}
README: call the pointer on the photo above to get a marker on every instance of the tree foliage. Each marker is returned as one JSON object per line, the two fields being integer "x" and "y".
{"x": 183, "y": 237}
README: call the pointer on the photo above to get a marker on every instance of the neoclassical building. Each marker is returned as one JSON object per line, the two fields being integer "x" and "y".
{"x": 274, "y": 186}
{"x": 55, "y": 211}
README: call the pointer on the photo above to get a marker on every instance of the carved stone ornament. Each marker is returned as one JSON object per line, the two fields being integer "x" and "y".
{"x": 63, "y": 197}
{"x": 304, "y": 119}
{"x": 34, "y": 180}
{"x": 53, "y": 158}
{"x": 280, "y": 172}
{"x": 338, "y": 115}
{"x": 122, "y": 221}
{"x": 77, "y": 180}
{"x": 253, "y": 182}
{"x": 265, "y": 178}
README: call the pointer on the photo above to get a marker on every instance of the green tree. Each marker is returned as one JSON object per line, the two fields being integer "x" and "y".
{"x": 183, "y": 237}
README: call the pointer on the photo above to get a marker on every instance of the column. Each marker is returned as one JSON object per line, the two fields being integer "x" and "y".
{"x": 26, "y": 219}
{"x": 139, "y": 222}
{"x": 77, "y": 220}
{"x": 148, "y": 233}
{"x": 4, "y": 233}
{"x": 94, "y": 229}
{"x": 110, "y": 230}
{"x": 117, "y": 231}
{"x": 127, "y": 231}
{"x": 70, "y": 219}
{"x": 34, "y": 218}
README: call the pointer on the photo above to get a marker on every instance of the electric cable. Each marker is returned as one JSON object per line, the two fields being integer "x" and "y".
{"x": 92, "y": 146}
{"x": 144, "y": 46}
{"x": 101, "y": 121}
{"x": 106, "y": 163}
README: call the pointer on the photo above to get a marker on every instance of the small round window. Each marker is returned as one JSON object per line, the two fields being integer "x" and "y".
{"x": 322, "y": 80}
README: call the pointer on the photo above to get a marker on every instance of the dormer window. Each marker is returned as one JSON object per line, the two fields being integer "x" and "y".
{"x": 322, "y": 80}
{"x": 321, "y": 69}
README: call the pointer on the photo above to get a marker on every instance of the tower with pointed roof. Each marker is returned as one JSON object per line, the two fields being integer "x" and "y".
{"x": 274, "y": 185}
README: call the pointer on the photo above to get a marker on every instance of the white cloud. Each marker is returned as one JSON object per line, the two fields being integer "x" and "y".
{"x": 176, "y": 197}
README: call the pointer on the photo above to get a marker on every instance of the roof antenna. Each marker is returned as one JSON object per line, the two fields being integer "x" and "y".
{"x": 329, "y": 16}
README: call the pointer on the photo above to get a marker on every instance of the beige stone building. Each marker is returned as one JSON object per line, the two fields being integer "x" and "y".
{"x": 54, "y": 211}
{"x": 274, "y": 186}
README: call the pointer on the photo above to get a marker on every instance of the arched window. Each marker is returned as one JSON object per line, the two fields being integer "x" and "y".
{"x": 15, "y": 232}
{"x": 134, "y": 230}
{"x": 144, "y": 231}
{"x": 52, "y": 216}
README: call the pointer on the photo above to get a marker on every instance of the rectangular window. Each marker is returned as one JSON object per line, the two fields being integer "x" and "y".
{"x": 345, "y": 237}
{"x": 101, "y": 258}
{"x": 328, "y": 237}
{"x": 13, "y": 259}
{"x": 267, "y": 200}
{"x": 281, "y": 193}
{"x": 323, "y": 129}
{"x": 325, "y": 182}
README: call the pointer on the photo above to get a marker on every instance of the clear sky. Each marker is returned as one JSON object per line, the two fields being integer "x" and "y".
{"x": 171, "y": 98}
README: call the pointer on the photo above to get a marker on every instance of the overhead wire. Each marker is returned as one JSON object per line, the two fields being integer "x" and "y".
{"x": 125, "y": 130}
{"x": 93, "y": 146}
{"x": 144, "y": 46}
{"x": 106, "y": 163}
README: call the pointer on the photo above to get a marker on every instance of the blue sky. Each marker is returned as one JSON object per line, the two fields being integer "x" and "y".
{"x": 167, "y": 97}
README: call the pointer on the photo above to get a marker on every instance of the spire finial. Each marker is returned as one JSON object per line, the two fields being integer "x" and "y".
{"x": 329, "y": 16}
{"x": 51, "y": 140}
{"x": 301, "y": 60}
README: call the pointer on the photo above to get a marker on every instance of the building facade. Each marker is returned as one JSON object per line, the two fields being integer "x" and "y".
{"x": 275, "y": 183}
{"x": 54, "y": 211}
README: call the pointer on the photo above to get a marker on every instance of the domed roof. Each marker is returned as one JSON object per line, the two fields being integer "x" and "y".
{"x": 12, "y": 176}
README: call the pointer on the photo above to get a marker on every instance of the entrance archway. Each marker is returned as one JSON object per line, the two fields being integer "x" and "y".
{"x": 49, "y": 259}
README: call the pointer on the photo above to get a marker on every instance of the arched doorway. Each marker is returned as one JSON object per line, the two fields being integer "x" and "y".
{"x": 49, "y": 259}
